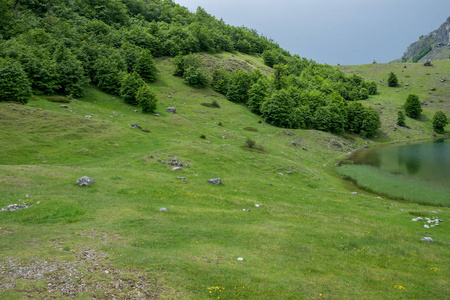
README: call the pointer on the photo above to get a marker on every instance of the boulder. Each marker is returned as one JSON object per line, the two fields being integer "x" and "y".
{"x": 163, "y": 209}
{"x": 85, "y": 181}
{"x": 64, "y": 106}
{"x": 177, "y": 169}
{"x": 215, "y": 181}
{"x": 427, "y": 239}
{"x": 171, "y": 110}
{"x": 427, "y": 63}
{"x": 136, "y": 126}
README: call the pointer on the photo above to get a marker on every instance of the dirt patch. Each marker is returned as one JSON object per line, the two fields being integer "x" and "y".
{"x": 89, "y": 274}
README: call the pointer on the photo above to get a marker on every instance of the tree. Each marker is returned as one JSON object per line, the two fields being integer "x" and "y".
{"x": 401, "y": 118}
{"x": 439, "y": 121}
{"x": 329, "y": 118}
{"x": 145, "y": 66}
{"x": 392, "y": 80}
{"x": 238, "y": 86}
{"x": 412, "y": 106}
{"x": 109, "y": 70}
{"x": 146, "y": 99}
{"x": 14, "y": 84}
{"x": 363, "y": 94}
{"x": 257, "y": 94}
{"x": 372, "y": 87}
{"x": 70, "y": 72}
{"x": 362, "y": 120}
{"x": 220, "y": 79}
{"x": 279, "y": 75}
{"x": 278, "y": 110}
{"x": 130, "y": 86}
{"x": 195, "y": 77}
{"x": 179, "y": 63}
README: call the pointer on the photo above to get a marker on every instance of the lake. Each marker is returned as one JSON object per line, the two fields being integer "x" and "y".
{"x": 429, "y": 161}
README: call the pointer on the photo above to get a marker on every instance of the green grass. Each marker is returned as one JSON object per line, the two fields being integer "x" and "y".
{"x": 396, "y": 186}
{"x": 310, "y": 238}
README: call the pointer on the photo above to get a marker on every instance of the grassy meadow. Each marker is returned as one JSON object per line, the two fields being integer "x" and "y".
{"x": 310, "y": 237}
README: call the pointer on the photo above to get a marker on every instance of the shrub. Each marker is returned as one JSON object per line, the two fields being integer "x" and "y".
{"x": 412, "y": 106}
{"x": 145, "y": 66}
{"x": 195, "y": 77}
{"x": 401, "y": 119}
{"x": 372, "y": 87}
{"x": 202, "y": 136}
{"x": 250, "y": 143}
{"x": 392, "y": 80}
{"x": 130, "y": 86}
{"x": 220, "y": 123}
{"x": 146, "y": 99}
{"x": 220, "y": 79}
{"x": 439, "y": 121}
{"x": 14, "y": 84}
{"x": 363, "y": 94}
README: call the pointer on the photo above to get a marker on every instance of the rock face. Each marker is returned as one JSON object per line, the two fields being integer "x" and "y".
{"x": 433, "y": 46}
{"x": 215, "y": 181}
{"x": 85, "y": 181}
{"x": 171, "y": 110}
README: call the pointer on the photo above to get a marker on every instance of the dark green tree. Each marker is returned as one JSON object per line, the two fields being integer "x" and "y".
{"x": 129, "y": 87}
{"x": 220, "y": 79}
{"x": 238, "y": 86}
{"x": 70, "y": 72}
{"x": 279, "y": 75}
{"x": 401, "y": 118}
{"x": 195, "y": 77}
{"x": 279, "y": 110}
{"x": 362, "y": 120}
{"x": 439, "y": 121}
{"x": 412, "y": 106}
{"x": 179, "y": 62}
{"x": 392, "y": 80}
{"x": 109, "y": 73}
{"x": 145, "y": 66}
{"x": 146, "y": 99}
{"x": 363, "y": 94}
{"x": 257, "y": 94}
{"x": 14, "y": 84}
{"x": 329, "y": 118}
{"x": 372, "y": 87}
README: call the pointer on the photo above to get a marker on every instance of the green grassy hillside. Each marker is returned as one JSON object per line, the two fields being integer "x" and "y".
{"x": 309, "y": 238}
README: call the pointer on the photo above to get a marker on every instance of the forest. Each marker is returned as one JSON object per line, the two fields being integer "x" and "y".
{"x": 60, "y": 47}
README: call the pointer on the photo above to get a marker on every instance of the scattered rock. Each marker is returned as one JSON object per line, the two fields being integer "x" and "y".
{"x": 88, "y": 116}
{"x": 240, "y": 259}
{"x": 64, "y": 106}
{"x": 171, "y": 110}
{"x": 163, "y": 209}
{"x": 305, "y": 149}
{"x": 182, "y": 178}
{"x": 443, "y": 79}
{"x": 427, "y": 63}
{"x": 427, "y": 239}
{"x": 85, "y": 181}
{"x": 354, "y": 193}
{"x": 12, "y": 207}
{"x": 290, "y": 173}
{"x": 223, "y": 137}
{"x": 258, "y": 205}
{"x": 215, "y": 181}
{"x": 136, "y": 126}
{"x": 177, "y": 169}
{"x": 156, "y": 115}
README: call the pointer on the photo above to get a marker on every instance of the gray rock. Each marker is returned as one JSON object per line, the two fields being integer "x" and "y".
{"x": 305, "y": 149}
{"x": 182, "y": 178}
{"x": 443, "y": 79}
{"x": 177, "y": 169}
{"x": 354, "y": 193}
{"x": 163, "y": 209}
{"x": 174, "y": 162}
{"x": 136, "y": 126}
{"x": 427, "y": 63}
{"x": 427, "y": 239}
{"x": 13, "y": 207}
{"x": 215, "y": 181}
{"x": 64, "y": 106}
{"x": 85, "y": 181}
{"x": 171, "y": 110}
{"x": 156, "y": 115}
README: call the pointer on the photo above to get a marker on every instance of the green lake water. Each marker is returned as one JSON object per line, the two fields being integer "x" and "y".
{"x": 429, "y": 161}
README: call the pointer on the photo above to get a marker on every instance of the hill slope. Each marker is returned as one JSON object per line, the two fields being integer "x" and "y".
{"x": 434, "y": 46}
{"x": 310, "y": 237}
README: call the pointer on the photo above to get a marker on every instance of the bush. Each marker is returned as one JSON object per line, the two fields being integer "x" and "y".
{"x": 392, "y": 80}
{"x": 412, "y": 106}
{"x": 220, "y": 79}
{"x": 278, "y": 110}
{"x": 195, "y": 77}
{"x": 401, "y": 119}
{"x": 130, "y": 86}
{"x": 363, "y": 94}
{"x": 14, "y": 84}
{"x": 250, "y": 143}
{"x": 146, "y": 99}
{"x": 202, "y": 136}
{"x": 145, "y": 66}
{"x": 439, "y": 121}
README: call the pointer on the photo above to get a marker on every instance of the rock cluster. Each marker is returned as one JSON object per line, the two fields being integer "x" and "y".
{"x": 215, "y": 181}
{"x": 15, "y": 207}
{"x": 85, "y": 181}
{"x": 171, "y": 110}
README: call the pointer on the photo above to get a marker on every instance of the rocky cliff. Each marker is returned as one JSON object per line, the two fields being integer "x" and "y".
{"x": 434, "y": 46}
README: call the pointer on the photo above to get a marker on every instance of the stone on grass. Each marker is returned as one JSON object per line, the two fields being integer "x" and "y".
{"x": 427, "y": 239}
{"x": 171, "y": 110}
{"x": 177, "y": 169}
{"x": 136, "y": 126}
{"x": 12, "y": 207}
{"x": 354, "y": 193}
{"x": 163, "y": 209}
{"x": 85, "y": 181}
{"x": 64, "y": 106}
{"x": 182, "y": 178}
{"x": 240, "y": 259}
{"x": 215, "y": 181}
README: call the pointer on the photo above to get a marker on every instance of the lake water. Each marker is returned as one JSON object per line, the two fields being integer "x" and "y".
{"x": 428, "y": 161}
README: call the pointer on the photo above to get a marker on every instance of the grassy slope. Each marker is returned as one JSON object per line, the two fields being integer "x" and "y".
{"x": 311, "y": 238}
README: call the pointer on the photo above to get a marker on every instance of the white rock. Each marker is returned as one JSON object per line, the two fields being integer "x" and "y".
{"x": 177, "y": 169}
{"x": 414, "y": 220}
{"x": 419, "y": 218}
{"x": 426, "y": 226}
{"x": 163, "y": 209}
{"x": 240, "y": 259}
{"x": 427, "y": 239}
{"x": 354, "y": 193}
{"x": 257, "y": 205}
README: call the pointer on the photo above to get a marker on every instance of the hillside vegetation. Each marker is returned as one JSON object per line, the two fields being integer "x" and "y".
{"x": 300, "y": 229}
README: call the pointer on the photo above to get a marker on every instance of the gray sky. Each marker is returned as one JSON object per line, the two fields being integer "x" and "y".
{"x": 334, "y": 31}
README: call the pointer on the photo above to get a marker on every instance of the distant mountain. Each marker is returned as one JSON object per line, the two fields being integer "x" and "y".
{"x": 434, "y": 46}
